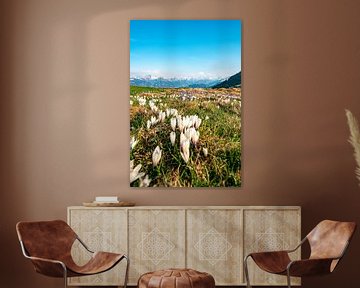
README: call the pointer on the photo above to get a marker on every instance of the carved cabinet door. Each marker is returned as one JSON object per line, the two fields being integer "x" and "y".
{"x": 214, "y": 244}
{"x": 271, "y": 230}
{"x": 156, "y": 240}
{"x": 101, "y": 230}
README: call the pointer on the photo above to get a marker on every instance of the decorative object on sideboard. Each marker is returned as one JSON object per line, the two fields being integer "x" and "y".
{"x": 109, "y": 204}
{"x": 328, "y": 243}
{"x": 354, "y": 140}
{"x": 108, "y": 201}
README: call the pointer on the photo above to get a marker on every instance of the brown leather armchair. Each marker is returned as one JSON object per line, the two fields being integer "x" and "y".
{"x": 48, "y": 245}
{"x": 328, "y": 242}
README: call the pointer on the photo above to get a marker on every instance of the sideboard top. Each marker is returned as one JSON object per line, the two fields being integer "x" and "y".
{"x": 193, "y": 207}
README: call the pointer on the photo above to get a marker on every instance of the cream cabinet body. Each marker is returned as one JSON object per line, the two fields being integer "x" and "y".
{"x": 210, "y": 239}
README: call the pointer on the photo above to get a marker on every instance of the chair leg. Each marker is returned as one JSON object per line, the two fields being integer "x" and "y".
{"x": 288, "y": 278}
{"x": 127, "y": 271}
{"x": 246, "y": 270}
{"x": 65, "y": 276}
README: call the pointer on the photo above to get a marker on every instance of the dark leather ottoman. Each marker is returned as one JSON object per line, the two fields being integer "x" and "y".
{"x": 176, "y": 278}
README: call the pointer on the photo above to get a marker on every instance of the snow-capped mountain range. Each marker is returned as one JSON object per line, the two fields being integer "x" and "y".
{"x": 161, "y": 82}
{"x": 151, "y": 81}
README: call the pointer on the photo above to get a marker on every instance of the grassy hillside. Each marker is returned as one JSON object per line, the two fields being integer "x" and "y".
{"x": 233, "y": 81}
{"x": 214, "y": 160}
{"x": 135, "y": 90}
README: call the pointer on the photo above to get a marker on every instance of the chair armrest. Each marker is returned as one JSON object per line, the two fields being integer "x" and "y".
{"x": 298, "y": 246}
{"x": 281, "y": 251}
{"x": 268, "y": 253}
{"x": 83, "y": 244}
{"x": 309, "y": 267}
{"x": 45, "y": 260}
{"x": 48, "y": 267}
{"x": 271, "y": 261}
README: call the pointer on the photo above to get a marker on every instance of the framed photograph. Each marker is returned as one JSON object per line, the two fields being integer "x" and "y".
{"x": 185, "y": 103}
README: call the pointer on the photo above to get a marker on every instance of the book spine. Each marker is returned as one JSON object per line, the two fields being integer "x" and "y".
{"x": 106, "y": 199}
{"x": 107, "y": 202}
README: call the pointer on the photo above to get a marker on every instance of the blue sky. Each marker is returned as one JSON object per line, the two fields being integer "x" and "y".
{"x": 185, "y": 48}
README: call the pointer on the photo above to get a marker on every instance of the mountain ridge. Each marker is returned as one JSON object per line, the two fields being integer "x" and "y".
{"x": 231, "y": 82}
{"x": 161, "y": 82}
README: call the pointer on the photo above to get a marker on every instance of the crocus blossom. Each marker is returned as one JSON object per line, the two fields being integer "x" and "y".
{"x": 173, "y": 123}
{"x": 156, "y": 156}
{"x": 172, "y": 138}
{"x": 185, "y": 151}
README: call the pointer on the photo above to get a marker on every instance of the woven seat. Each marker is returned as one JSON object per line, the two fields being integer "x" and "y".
{"x": 176, "y": 278}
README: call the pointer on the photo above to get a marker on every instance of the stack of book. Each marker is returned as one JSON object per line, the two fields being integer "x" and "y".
{"x": 106, "y": 199}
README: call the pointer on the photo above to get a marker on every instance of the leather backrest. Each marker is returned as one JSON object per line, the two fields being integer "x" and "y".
{"x": 46, "y": 239}
{"x": 329, "y": 238}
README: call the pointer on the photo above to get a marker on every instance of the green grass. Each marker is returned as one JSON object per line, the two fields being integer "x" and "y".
{"x": 220, "y": 134}
{"x": 134, "y": 90}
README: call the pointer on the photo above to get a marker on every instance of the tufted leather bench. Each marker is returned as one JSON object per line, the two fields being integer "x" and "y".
{"x": 176, "y": 278}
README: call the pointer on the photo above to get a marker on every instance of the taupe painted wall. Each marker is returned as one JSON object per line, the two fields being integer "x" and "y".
{"x": 65, "y": 125}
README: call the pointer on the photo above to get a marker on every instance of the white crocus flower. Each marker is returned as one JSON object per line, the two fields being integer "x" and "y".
{"x": 142, "y": 101}
{"x": 153, "y": 120}
{"x": 162, "y": 116}
{"x": 156, "y": 156}
{"x": 172, "y": 138}
{"x": 197, "y": 123}
{"x": 205, "y": 151}
{"x": 180, "y": 124}
{"x": 206, "y": 117}
{"x": 174, "y": 112}
{"x": 173, "y": 123}
{"x": 145, "y": 182}
{"x": 182, "y": 138}
{"x": 185, "y": 151}
{"x": 153, "y": 106}
{"x": 134, "y": 173}
{"x": 195, "y": 137}
{"x": 133, "y": 142}
{"x": 148, "y": 124}
{"x": 189, "y": 133}
{"x": 194, "y": 119}
{"x": 186, "y": 121}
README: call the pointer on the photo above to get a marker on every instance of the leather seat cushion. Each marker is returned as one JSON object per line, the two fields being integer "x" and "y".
{"x": 176, "y": 278}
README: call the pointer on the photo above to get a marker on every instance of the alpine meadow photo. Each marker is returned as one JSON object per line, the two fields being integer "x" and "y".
{"x": 185, "y": 103}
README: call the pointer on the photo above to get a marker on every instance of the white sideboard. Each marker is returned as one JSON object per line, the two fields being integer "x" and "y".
{"x": 212, "y": 239}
